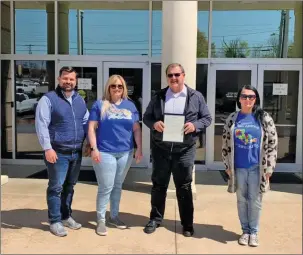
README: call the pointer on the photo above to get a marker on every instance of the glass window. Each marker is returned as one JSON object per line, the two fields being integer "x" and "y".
{"x": 6, "y": 110}
{"x": 202, "y": 36}
{"x": 284, "y": 111}
{"x": 106, "y": 28}
{"x": 33, "y": 79}
{"x": 89, "y": 95}
{"x": 156, "y": 28}
{"x": 5, "y": 28}
{"x": 155, "y": 78}
{"x": 201, "y": 85}
{"x": 34, "y": 27}
{"x": 257, "y": 29}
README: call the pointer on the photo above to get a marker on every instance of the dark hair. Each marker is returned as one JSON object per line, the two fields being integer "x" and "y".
{"x": 67, "y": 69}
{"x": 174, "y": 65}
{"x": 257, "y": 110}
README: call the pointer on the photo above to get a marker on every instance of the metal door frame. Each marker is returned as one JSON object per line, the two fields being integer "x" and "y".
{"x": 286, "y": 167}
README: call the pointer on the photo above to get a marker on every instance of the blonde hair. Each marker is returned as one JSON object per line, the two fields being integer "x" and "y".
{"x": 106, "y": 97}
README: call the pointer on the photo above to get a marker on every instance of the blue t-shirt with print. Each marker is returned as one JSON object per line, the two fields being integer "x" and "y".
{"x": 115, "y": 128}
{"x": 247, "y": 135}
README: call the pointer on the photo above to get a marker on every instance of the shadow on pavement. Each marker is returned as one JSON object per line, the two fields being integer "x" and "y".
{"x": 36, "y": 219}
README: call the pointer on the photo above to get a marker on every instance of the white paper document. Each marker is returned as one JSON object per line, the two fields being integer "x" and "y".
{"x": 280, "y": 89}
{"x": 85, "y": 83}
{"x": 174, "y": 128}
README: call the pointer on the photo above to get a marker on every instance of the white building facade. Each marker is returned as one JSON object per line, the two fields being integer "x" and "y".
{"x": 222, "y": 45}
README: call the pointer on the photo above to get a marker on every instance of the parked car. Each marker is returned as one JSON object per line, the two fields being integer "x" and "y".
{"x": 22, "y": 87}
{"x": 24, "y": 103}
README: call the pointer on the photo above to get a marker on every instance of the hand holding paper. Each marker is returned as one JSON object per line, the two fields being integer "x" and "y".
{"x": 159, "y": 126}
{"x": 189, "y": 128}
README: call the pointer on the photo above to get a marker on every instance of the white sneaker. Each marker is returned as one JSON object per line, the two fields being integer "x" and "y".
{"x": 101, "y": 229}
{"x": 243, "y": 240}
{"x": 253, "y": 240}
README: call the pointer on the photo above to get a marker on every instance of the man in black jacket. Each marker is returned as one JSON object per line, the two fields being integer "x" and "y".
{"x": 170, "y": 157}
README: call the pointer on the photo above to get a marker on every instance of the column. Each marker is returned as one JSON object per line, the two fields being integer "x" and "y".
{"x": 5, "y": 28}
{"x": 179, "y": 38}
{"x": 298, "y": 30}
{"x": 179, "y": 44}
{"x": 63, "y": 28}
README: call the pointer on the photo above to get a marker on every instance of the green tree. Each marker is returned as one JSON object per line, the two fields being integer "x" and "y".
{"x": 202, "y": 45}
{"x": 236, "y": 49}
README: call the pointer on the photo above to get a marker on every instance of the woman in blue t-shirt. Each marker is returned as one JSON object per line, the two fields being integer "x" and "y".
{"x": 113, "y": 126}
{"x": 249, "y": 152}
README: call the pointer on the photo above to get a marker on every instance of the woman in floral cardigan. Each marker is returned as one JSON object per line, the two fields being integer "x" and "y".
{"x": 249, "y": 152}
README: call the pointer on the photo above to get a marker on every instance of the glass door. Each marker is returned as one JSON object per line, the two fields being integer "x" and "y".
{"x": 89, "y": 80}
{"x": 224, "y": 82}
{"x": 281, "y": 96}
{"x": 136, "y": 77}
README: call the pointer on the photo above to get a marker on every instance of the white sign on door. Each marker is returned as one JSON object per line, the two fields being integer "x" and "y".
{"x": 279, "y": 89}
{"x": 85, "y": 83}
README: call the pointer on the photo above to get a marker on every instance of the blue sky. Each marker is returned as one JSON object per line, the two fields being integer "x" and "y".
{"x": 126, "y": 32}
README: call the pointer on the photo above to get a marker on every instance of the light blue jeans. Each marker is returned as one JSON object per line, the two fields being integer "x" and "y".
{"x": 249, "y": 198}
{"x": 110, "y": 174}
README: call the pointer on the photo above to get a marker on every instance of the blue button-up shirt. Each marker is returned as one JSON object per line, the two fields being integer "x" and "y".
{"x": 175, "y": 102}
{"x": 43, "y": 119}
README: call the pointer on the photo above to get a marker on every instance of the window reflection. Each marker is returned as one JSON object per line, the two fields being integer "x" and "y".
{"x": 283, "y": 109}
{"x": 287, "y": 144}
{"x": 108, "y": 28}
{"x": 34, "y": 27}
{"x": 228, "y": 82}
{"x": 257, "y": 29}
{"x": 89, "y": 94}
{"x": 32, "y": 80}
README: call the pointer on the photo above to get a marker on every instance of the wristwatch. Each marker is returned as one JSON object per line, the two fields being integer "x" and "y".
{"x": 93, "y": 148}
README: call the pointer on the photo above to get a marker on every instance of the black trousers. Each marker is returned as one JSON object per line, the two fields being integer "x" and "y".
{"x": 181, "y": 166}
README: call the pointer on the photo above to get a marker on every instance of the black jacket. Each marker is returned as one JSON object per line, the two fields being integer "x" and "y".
{"x": 195, "y": 111}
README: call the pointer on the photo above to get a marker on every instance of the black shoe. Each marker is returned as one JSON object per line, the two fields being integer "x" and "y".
{"x": 151, "y": 227}
{"x": 188, "y": 232}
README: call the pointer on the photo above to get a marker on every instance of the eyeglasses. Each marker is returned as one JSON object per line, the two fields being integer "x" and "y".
{"x": 250, "y": 97}
{"x": 114, "y": 86}
{"x": 171, "y": 75}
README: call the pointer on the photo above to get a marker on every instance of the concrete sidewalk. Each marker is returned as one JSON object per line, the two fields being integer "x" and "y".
{"x": 25, "y": 229}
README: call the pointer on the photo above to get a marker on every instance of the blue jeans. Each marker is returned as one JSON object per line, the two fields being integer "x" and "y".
{"x": 249, "y": 198}
{"x": 63, "y": 176}
{"x": 110, "y": 174}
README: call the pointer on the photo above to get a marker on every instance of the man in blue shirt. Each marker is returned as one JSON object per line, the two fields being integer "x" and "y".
{"x": 61, "y": 118}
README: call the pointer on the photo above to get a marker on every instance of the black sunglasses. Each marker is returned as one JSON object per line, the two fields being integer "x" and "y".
{"x": 250, "y": 97}
{"x": 171, "y": 75}
{"x": 114, "y": 86}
